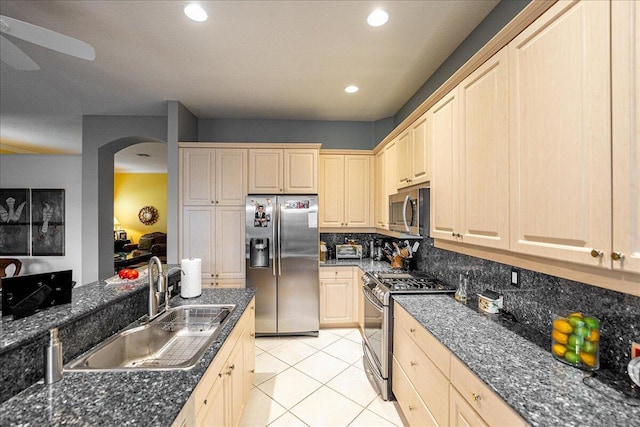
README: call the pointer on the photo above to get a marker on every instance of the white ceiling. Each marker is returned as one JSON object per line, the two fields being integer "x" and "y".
{"x": 251, "y": 59}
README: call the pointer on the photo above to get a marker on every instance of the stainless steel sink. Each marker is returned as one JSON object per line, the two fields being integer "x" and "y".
{"x": 176, "y": 339}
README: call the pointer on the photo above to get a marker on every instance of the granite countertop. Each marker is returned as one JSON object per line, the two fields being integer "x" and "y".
{"x": 85, "y": 300}
{"x": 365, "y": 264}
{"x": 541, "y": 389}
{"x": 137, "y": 398}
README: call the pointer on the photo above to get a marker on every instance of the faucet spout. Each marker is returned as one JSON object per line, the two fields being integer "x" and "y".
{"x": 155, "y": 290}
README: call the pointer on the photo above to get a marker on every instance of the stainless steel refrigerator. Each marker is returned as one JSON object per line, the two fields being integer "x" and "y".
{"x": 282, "y": 262}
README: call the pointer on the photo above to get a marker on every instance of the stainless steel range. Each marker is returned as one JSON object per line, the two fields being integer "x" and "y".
{"x": 378, "y": 288}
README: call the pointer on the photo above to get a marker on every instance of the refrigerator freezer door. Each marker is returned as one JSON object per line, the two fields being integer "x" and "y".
{"x": 298, "y": 287}
{"x": 260, "y": 231}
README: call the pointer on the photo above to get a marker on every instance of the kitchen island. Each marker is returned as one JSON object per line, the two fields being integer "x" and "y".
{"x": 541, "y": 390}
{"x": 140, "y": 398}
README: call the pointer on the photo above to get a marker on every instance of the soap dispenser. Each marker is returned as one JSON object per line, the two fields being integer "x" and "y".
{"x": 461, "y": 292}
{"x": 53, "y": 358}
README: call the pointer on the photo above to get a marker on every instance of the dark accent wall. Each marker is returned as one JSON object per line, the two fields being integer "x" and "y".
{"x": 504, "y": 12}
{"x": 331, "y": 134}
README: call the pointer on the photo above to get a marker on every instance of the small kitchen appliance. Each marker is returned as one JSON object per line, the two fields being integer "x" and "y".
{"x": 378, "y": 288}
{"x": 490, "y": 301}
{"x": 349, "y": 251}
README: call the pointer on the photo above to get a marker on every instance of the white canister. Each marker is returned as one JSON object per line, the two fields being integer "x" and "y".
{"x": 490, "y": 302}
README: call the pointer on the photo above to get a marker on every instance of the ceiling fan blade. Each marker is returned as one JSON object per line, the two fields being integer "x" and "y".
{"x": 47, "y": 38}
{"x": 11, "y": 55}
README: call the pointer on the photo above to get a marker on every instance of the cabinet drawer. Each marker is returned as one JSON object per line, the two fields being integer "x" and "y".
{"x": 461, "y": 413}
{"x": 413, "y": 408}
{"x": 336, "y": 273}
{"x": 431, "y": 384}
{"x": 429, "y": 344}
{"x": 481, "y": 398}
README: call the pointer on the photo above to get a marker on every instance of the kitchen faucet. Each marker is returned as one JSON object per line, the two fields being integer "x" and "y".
{"x": 158, "y": 289}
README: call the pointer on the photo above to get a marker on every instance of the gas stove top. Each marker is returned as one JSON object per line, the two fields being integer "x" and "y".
{"x": 384, "y": 283}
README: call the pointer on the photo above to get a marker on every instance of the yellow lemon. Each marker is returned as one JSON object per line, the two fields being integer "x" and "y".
{"x": 593, "y": 336}
{"x": 559, "y": 337}
{"x": 563, "y": 326}
{"x": 588, "y": 359}
{"x": 576, "y": 314}
{"x": 559, "y": 350}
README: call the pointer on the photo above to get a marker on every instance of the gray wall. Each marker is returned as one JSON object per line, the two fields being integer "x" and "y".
{"x": 102, "y": 136}
{"x": 504, "y": 12}
{"x": 331, "y": 134}
{"x": 50, "y": 171}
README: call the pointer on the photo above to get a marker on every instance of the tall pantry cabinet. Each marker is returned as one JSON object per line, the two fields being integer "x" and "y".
{"x": 213, "y": 186}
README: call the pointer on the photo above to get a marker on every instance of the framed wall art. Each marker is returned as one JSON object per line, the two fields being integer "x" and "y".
{"x": 15, "y": 218}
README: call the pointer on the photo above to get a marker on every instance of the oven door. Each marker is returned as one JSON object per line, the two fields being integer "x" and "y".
{"x": 375, "y": 335}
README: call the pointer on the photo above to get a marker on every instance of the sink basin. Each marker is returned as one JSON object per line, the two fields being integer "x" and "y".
{"x": 176, "y": 339}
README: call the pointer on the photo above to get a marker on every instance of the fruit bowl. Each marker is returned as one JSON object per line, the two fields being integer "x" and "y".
{"x": 575, "y": 340}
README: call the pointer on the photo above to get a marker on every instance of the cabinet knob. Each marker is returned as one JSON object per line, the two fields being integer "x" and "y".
{"x": 212, "y": 275}
{"x": 232, "y": 367}
{"x": 412, "y": 363}
{"x": 476, "y": 397}
{"x": 411, "y": 408}
{"x": 253, "y": 371}
{"x": 458, "y": 235}
{"x": 596, "y": 253}
{"x": 213, "y": 201}
{"x": 453, "y": 234}
{"x": 617, "y": 256}
{"x": 205, "y": 401}
{"x": 412, "y": 330}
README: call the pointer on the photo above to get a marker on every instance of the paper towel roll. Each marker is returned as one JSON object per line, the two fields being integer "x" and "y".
{"x": 191, "y": 277}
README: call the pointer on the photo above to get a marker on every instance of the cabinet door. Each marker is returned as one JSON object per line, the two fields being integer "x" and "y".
{"x": 559, "y": 88}
{"x": 403, "y": 159}
{"x": 391, "y": 173}
{"x": 444, "y": 185}
{"x": 249, "y": 352}
{"x": 231, "y": 176}
{"x": 198, "y": 187}
{"x": 381, "y": 196}
{"x": 265, "y": 171}
{"x": 420, "y": 151}
{"x": 213, "y": 412}
{"x": 461, "y": 413}
{"x": 626, "y": 134}
{"x": 484, "y": 155}
{"x": 198, "y": 236}
{"x": 336, "y": 296}
{"x": 230, "y": 244}
{"x": 357, "y": 202}
{"x": 235, "y": 371}
{"x": 331, "y": 191}
{"x": 301, "y": 171}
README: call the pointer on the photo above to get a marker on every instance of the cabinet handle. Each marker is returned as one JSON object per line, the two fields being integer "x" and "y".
{"x": 617, "y": 256}
{"x": 476, "y": 397}
{"x": 596, "y": 253}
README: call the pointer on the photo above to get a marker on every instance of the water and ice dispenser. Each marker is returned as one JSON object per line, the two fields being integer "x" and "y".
{"x": 259, "y": 252}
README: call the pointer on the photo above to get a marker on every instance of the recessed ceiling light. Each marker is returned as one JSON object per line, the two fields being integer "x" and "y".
{"x": 378, "y": 17}
{"x": 351, "y": 89}
{"x": 195, "y": 12}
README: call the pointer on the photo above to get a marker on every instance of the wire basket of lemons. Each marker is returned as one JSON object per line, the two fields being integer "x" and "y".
{"x": 575, "y": 340}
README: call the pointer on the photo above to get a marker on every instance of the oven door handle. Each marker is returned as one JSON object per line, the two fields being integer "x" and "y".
{"x": 374, "y": 302}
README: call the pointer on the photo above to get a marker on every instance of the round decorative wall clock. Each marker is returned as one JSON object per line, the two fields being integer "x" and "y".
{"x": 148, "y": 215}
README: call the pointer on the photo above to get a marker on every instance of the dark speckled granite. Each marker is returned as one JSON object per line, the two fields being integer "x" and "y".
{"x": 144, "y": 398}
{"x": 97, "y": 310}
{"x": 542, "y": 390}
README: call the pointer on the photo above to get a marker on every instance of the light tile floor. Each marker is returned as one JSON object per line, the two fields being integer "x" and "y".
{"x": 308, "y": 381}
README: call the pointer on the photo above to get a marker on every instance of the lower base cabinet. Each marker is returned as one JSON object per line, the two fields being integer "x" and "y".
{"x": 338, "y": 299}
{"x": 434, "y": 388}
{"x": 220, "y": 396}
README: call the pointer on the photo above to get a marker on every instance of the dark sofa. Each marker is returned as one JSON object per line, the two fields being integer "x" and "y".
{"x": 154, "y": 243}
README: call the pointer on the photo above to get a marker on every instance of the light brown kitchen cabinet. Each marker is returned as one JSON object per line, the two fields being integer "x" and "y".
{"x": 561, "y": 135}
{"x": 413, "y": 161}
{"x": 216, "y": 236}
{"x": 470, "y": 203}
{"x": 345, "y": 191}
{"x": 359, "y": 297}
{"x": 213, "y": 176}
{"x": 625, "y": 55}
{"x": 337, "y": 297}
{"x": 381, "y": 214}
{"x": 220, "y": 396}
{"x": 278, "y": 171}
{"x": 433, "y": 387}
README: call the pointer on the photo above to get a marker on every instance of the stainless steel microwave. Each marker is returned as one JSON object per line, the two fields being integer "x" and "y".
{"x": 409, "y": 212}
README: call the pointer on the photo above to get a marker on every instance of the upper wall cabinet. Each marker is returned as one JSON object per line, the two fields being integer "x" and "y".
{"x": 559, "y": 87}
{"x": 345, "y": 190}
{"x": 413, "y": 154}
{"x": 213, "y": 176}
{"x": 289, "y": 170}
{"x": 625, "y": 253}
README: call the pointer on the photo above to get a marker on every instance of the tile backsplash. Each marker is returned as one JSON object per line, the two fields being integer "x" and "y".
{"x": 536, "y": 299}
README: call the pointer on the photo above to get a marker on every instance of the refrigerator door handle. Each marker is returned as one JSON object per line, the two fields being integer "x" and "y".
{"x": 274, "y": 243}
{"x": 279, "y": 206}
